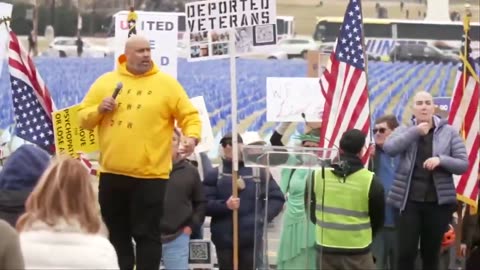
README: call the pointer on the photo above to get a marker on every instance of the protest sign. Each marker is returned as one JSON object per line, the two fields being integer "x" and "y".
{"x": 209, "y": 25}
{"x": 241, "y": 14}
{"x": 70, "y": 138}
{"x": 160, "y": 28}
{"x": 214, "y": 15}
{"x": 286, "y": 100}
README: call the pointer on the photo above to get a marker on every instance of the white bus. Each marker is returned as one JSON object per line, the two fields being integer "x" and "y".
{"x": 382, "y": 35}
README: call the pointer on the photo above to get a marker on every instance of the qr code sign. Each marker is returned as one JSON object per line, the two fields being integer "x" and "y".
{"x": 200, "y": 252}
{"x": 264, "y": 35}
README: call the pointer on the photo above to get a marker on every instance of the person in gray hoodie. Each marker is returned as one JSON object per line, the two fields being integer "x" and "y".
{"x": 423, "y": 192}
{"x": 18, "y": 177}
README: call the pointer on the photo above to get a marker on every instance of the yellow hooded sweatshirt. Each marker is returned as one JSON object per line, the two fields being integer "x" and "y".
{"x": 136, "y": 138}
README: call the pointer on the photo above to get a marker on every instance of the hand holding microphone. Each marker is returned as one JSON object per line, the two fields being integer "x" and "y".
{"x": 117, "y": 90}
{"x": 108, "y": 104}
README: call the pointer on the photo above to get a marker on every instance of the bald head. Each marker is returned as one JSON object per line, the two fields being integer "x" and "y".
{"x": 136, "y": 41}
{"x": 137, "y": 51}
{"x": 422, "y": 95}
{"x": 423, "y": 107}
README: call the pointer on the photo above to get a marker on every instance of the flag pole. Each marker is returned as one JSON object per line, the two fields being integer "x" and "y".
{"x": 466, "y": 28}
{"x": 365, "y": 60}
{"x": 233, "y": 92}
{"x": 35, "y": 28}
{"x": 5, "y": 20}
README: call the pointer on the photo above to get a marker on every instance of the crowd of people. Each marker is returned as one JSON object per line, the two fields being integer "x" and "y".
{"x": 155, "y": 192}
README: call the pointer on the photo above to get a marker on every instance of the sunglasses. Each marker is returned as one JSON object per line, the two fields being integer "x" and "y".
{"x": 226, "y": 142}
{"x": 381, "y": 130}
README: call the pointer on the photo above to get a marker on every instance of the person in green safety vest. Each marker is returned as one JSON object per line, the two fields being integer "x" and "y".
{"x": 347, "y": 205}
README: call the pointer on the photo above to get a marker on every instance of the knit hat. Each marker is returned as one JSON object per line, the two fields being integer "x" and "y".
{"x": 23, "y": 168}
{"x": 352, "y": 141}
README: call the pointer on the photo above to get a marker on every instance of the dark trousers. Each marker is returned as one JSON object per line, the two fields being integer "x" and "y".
{"x": 426, "y": 222}
{"x": 384, "y": 248}
{"x": 197, "y": 232}
{"x": 132, "y": 208}
{"x": 345, "y": 262}
{"x": 132, "y": 30}
{"x": 473, "y": 261}
{"x": 245, "y": 259}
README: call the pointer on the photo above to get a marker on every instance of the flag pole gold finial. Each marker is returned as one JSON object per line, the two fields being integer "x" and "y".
{"x": 5, "y": 20}
{"x": 467, "y": 17}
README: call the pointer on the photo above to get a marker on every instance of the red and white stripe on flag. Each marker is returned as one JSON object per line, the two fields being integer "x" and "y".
{"x": 344, "y": 83}
{"x": 32, "y": 102}
{"x": 87, "y": 164}
{"x": 21, "y": 66}
{"x": 464, "y": 116}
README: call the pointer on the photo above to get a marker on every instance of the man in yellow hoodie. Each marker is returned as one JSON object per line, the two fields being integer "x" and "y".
{"x": 135, "y": 132}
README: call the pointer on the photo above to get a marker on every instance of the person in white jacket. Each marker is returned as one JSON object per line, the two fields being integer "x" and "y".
{"x": 61, "y": 227}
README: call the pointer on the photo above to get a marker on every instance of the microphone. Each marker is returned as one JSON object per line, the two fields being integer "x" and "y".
{"x": 117, "y": 90}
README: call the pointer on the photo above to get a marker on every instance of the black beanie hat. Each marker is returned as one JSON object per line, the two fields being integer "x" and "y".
{"x": 352, "y": 141}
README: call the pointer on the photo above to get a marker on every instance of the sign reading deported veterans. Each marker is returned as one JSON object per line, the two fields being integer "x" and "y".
{"x": 227, "y": 14}
{"x": 70, "y": 138}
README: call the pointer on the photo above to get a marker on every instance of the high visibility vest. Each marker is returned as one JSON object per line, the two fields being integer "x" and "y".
{"x": 343, "y": 221}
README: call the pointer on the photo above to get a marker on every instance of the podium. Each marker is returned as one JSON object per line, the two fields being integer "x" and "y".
{"x": 295, "y": 166}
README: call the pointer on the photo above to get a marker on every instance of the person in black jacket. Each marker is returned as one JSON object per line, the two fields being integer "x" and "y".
{"x": 250, "y": 203}
{"x": 184, "y": 209}
{"x": 202, "y": 162}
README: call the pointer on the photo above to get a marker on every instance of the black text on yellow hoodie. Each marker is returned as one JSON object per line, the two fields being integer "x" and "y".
{"x": 136, "y": 138}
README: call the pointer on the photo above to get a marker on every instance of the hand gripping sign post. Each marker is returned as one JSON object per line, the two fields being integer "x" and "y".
{"x": 231, "y": 19}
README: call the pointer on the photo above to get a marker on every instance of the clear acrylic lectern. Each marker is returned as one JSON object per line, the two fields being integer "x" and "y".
{"x": 289, "y": 239}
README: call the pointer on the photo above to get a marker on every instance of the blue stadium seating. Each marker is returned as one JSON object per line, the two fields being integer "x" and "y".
{"x": 69, "y": 79}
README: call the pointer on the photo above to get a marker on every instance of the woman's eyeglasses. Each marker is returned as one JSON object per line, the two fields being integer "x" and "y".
{"x": 381, "y": 130}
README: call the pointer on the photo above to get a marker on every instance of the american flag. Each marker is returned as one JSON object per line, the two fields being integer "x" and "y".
{"x": 464, "y": 116}
{"x": 32, "y": 103}
{"x": 87, "y": 164}
{"x": 344, "y": 83}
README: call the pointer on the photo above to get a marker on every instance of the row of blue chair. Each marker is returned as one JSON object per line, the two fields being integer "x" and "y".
{"x": 69, "y": 80}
